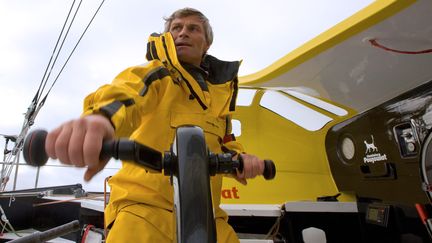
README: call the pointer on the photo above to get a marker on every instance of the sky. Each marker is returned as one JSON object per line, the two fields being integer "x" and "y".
{"x": 257, "y": 32}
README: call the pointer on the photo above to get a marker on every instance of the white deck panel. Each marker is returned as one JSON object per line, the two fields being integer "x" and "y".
{"x": 333, "y": 207}
{"x": 255, "y": 241}
{"x": 261, "y": 210}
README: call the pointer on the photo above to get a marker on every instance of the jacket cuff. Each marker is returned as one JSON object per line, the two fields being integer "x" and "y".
{"x": 113, "y": 110}
{"x": 232, "y": 147}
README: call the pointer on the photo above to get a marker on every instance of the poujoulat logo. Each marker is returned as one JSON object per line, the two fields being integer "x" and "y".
{"x": 372, "y": 154}
{"x": 230, "y": 193}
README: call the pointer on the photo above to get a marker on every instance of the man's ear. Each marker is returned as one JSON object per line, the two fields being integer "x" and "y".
{"x": 206, "y": 48}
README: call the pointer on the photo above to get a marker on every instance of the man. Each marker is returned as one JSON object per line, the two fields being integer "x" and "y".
{"x": 179, "y": 85}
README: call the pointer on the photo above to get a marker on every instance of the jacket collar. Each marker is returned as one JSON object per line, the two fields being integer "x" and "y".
{"x": 161, "y": 47}
{"x": 218, "y": 71}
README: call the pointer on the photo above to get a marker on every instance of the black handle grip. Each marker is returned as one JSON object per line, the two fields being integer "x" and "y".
{"x": 34, "y": 148}
{"x": 269, "y": 168}
{"x": 35, "y": 154}
{"x": 124, "y": 149}
{"x": 129, "y": 150}
{"x": 108, "y": 150}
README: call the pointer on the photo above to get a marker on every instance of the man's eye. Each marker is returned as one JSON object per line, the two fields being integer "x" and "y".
{"x": 176, "y": 28}
{"x": 193, "y": 28}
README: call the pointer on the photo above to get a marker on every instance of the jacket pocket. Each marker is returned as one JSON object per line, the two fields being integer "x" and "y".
{"x": 208, "y": 123}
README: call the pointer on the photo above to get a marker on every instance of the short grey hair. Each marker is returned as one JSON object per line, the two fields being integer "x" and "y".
{"x": 185, "y": 12}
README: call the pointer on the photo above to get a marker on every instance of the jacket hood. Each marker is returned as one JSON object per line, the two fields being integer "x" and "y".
{"x": 162, "y": 47}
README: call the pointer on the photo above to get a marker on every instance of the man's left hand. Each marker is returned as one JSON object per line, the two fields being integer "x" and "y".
{"x": 252, "y": 166}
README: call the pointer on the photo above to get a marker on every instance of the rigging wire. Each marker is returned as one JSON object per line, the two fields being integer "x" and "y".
{"x": 73, "y": 50}
{"x": 37, "y": 96}
{"x": 12, "y": 158}
{"x": 61, "y": 45}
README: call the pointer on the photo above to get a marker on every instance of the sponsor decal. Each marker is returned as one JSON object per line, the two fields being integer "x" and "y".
{"x": 372, "y": 153}
{"x": 230, "y": 193}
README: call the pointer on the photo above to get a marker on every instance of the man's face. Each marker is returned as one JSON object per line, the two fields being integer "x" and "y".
{"x": 189, "y": 37}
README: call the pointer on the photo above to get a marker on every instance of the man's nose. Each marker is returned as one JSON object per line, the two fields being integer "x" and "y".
{"x": 183, "y": 31}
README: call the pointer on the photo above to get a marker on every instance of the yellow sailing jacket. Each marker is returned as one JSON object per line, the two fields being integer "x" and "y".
{"x": 148, "y": 102}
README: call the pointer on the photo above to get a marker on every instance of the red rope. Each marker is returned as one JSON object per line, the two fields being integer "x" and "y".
{"x": 421, "y": 212}
{"x": 374, "y": 42}
{"x": 86, "y": 232}
{"x": 105, "y": 203}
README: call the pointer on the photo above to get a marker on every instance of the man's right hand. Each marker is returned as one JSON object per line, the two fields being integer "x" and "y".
{"x": 79, "y": 143}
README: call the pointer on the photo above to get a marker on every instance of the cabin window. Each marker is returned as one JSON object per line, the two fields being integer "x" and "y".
{"x": 317, "y": 102}
{"x": 245, "y": 97}
{"x": 290, "y": 109}
{"x": 236, "y": 127}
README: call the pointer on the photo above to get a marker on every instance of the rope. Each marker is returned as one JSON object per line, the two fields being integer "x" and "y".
{"x": 375, "y": 43}
{"x": 274, "y": 230}
{"x": 86, "y": 232}
{"x": 63, "y": 201}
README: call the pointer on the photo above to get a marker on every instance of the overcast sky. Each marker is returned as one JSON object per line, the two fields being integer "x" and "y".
{"x": 259, "y": 32}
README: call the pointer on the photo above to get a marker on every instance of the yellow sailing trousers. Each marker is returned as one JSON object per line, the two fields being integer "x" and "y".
{"x": 132, "y": 227}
